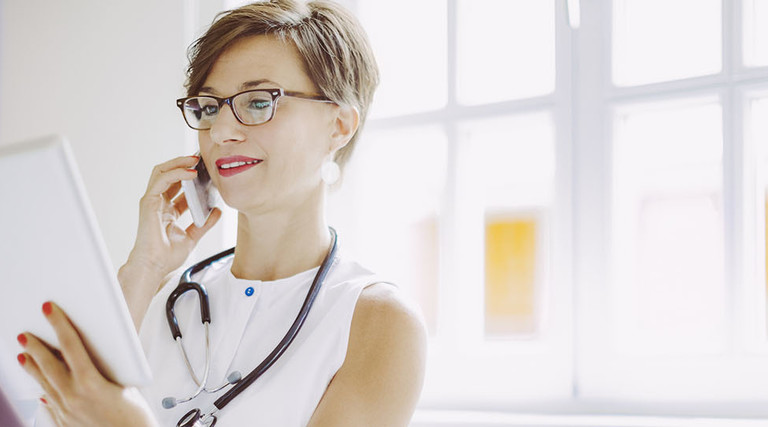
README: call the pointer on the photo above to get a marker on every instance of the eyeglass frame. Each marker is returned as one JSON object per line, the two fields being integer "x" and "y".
{"x": 275, "y": 93}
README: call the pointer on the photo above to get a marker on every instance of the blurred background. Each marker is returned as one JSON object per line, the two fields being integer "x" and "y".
{"x": 573, "y": 191}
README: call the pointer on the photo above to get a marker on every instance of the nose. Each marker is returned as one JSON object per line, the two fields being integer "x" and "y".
{"x": 226, "y": 128}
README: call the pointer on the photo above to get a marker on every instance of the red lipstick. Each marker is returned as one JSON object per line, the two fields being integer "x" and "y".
{"x": 233, "y": 165}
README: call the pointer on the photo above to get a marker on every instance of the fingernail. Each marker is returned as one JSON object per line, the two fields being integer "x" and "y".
{"x": 195, "y": 157}
{"x": 47, "y": 308}
{"x": 22, "y": 359}
{"x": 22, "y": 339}
{"x": 191, "y": 170}
{"x": 42, "y": 399}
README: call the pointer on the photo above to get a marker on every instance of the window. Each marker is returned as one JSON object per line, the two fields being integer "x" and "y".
{"x": 755, "y": 34}
{"x": 668, "y": 281}
{"x": 755, "y": 104}
{"x": 589, "y": 237}
{"x": 420, "y": 86}
{"x": 511, "y": 163}
{"x": 453, "y": 191}
{"x": 671, "y": 319}
{"x": 524, "y": 68}
{"x": 390, "y": 209}
{"x": 659, "y": 40}
{"x": 581, "y": 213}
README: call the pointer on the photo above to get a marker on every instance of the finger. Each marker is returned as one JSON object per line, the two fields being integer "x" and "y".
{"x": 71, "y": 343}
{"x": 184, "y": 162}
{"x": 169, "y": 214}
{"x": 196, "y": 233}
{"x": 180, "y": 204}
{"x": 161, "y": 183}
{"x": 175, "y": 163}
{"x": 55, "y": 351}
{"x": 54, "y": 412}
{"x": 51, "y": 396}
{"x": 177, "y": 235}
{"x": 32, "y": 368}
{"x": 172, "y": 191}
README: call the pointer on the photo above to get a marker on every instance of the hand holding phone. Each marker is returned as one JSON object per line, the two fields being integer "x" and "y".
{"x": 200, "y": 194}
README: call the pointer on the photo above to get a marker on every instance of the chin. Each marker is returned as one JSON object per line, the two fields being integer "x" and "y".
{"x": 242, "y": 202}
{"x": 235, "y": 201}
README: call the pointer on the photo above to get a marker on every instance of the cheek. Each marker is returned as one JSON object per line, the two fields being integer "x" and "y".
{"x": 295, "y": 159}
{"x": 297, "y": 148}
{"x": 203, "y": 141}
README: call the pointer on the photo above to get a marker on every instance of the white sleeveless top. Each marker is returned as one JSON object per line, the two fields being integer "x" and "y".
{"x": 245, "y": 327}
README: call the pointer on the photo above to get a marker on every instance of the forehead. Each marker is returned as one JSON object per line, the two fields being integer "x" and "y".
{"x": 254, "y": 58}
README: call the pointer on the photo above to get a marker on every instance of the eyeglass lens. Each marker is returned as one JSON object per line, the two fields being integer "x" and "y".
{"x": 251, "y": 108}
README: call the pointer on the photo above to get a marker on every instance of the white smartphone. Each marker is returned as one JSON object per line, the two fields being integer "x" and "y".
{"x": 200, "y": 194}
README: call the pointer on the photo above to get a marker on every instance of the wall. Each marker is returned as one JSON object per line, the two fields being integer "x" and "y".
{"x": 105, "y": 75}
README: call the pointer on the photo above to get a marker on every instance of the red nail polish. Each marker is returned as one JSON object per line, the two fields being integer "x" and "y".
{"x": 42, "y": 399}
{"x": 47, "y": 308}
{"x": 22, "y": 359}
{"x": 195, "y": 157}
{"x": 22, "y": 339}
{"x": 191, "y": 170}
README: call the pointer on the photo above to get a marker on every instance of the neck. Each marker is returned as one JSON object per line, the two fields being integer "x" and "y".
{"x": 280, "y": 244}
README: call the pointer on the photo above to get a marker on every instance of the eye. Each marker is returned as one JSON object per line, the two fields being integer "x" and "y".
{"x": 257, "y": 104}
{"x": 210, "y": 110}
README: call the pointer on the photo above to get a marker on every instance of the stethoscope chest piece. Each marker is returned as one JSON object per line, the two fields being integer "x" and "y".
{"x": 195, "y": 418}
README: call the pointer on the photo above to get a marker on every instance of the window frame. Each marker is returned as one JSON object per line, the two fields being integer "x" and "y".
{"x": 599, "y": 95}
{"x": 536, "y": 370}
{"x": 584, "y": 98}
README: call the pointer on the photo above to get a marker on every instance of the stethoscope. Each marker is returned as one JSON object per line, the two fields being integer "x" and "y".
{"x": 196, "y": 417}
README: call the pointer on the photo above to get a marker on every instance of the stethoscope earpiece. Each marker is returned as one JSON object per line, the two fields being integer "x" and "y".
{"x": 169, "y": 402}
{"x": 233, "y": 377}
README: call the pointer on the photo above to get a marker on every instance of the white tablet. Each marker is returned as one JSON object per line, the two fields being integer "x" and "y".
{"x": 52, "y": 250}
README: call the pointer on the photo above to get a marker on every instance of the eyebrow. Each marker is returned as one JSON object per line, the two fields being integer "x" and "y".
{"x": 245, "y": 86}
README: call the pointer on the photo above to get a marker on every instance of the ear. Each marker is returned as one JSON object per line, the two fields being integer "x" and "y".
{"x": 344, "y": 127}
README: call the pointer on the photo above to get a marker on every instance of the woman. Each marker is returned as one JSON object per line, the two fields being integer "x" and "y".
{"x": 359, "y": 358}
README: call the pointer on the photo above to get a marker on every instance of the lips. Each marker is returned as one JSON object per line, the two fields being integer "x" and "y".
{"x": 233, "y": 165}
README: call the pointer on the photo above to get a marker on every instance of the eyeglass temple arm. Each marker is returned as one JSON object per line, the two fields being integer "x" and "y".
{"x": 306, "y": 96}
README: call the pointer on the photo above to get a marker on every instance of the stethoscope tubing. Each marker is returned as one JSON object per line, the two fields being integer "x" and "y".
{"x": 186, "y": 284}
{"x": 241, "y": 385}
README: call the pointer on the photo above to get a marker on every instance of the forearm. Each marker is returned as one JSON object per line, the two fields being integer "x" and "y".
{"x": 139, "y": 284}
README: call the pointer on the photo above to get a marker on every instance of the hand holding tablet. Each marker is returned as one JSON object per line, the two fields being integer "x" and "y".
{"x": 71, "y": 381}
{"x": 52, "y": 251}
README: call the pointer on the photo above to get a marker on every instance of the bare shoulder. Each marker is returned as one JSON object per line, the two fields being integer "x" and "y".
{"x": 380, "y": 381}
{"x": 387, "y": 333}
{"x": 383, "y": 307}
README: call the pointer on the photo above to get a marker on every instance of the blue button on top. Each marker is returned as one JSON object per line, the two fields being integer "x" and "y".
{"x": 249, "y": 291}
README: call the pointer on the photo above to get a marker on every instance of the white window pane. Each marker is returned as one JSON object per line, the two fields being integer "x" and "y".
{"x": 758, "y": 135}
{"x": 660, "y": 40}
{"x": 513, "y": 159}
{"x": 513, "y": 169}
{"x": 409, "y": 39}
{"x": 755, "y": 33}
{"x": 759, "y": 123}
{"x": 505, "y": 49}
{"x": 388, "y": 209}
{"x": 668, "y": 284}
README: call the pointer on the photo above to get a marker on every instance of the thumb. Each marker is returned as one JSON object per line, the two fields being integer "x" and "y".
{"x": 196, "y": 233}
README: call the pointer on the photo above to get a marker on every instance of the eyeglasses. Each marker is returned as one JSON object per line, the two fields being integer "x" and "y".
{"x": 251, "y": 107}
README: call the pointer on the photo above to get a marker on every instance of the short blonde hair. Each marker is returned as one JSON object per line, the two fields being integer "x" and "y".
{"x": 333, "y": 45}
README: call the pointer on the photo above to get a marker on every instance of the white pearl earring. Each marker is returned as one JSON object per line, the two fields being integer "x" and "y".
{"x": 330, "y": 172}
